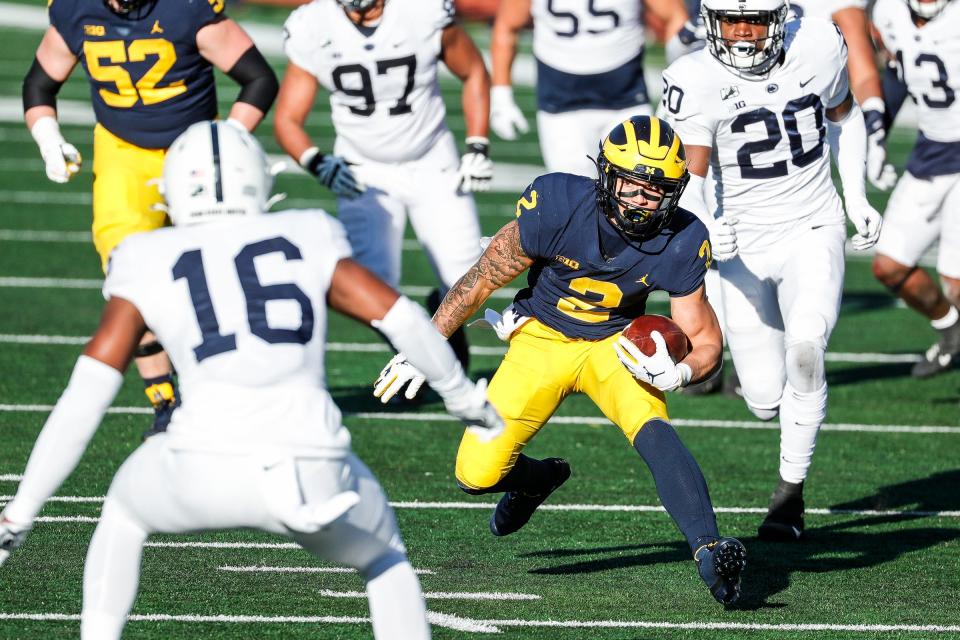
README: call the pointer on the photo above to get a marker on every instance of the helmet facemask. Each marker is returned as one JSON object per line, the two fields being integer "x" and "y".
{"x": 751, "y": 56}
{"x": 926, "y": 10}
{"x": 629, "y": 165}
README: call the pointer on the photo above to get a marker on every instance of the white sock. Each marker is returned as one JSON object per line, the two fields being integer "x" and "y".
{"x": 948, "y": 320}
{"x": 801, "y": 415}
{"x": 111, "y": 575}
{"x": 397, "y": 608}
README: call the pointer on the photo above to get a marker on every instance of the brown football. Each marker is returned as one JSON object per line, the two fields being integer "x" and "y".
{"x": 638, "y": 332}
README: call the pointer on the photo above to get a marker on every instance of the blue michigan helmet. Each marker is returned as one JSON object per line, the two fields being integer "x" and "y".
{"x": 644, "y": 150}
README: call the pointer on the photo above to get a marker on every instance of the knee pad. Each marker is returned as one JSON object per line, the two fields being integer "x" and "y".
{"x": 765, "y": 412}
{"x": 807, "y": 326}
{"x": 805, "y": 366}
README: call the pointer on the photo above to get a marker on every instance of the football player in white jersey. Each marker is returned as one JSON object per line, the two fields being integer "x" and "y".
{"x": 240, "y": 301}
{"x": 589, "y": 72}
{"x": 394, "y": 156}
{"x": 758, "y": 104}
{"x": 923, "y": 37}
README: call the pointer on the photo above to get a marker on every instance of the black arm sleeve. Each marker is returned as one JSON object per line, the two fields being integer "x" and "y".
{"x": 39, "y": 88}
{"x": 258, "y": 81}
{"x": 894, "y": 95}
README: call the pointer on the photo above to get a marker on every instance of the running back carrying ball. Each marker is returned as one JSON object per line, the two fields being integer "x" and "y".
{"x": 638, "y": 332}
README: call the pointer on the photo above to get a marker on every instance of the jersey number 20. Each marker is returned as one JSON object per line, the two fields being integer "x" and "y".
{"x": 190, "y": 267}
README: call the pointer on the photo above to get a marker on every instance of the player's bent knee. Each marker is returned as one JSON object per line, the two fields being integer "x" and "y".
{"x": 478, "y": 480}
{"x": 765, "y": 412}
{"x": 891, "y": 273}
{"x": 805, "y": 366}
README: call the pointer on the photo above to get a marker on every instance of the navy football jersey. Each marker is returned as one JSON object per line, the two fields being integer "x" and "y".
{"x": 587, "y": 281}
{"x": 148, "y": 81}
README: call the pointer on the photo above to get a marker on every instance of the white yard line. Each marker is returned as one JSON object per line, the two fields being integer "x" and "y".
{"x": 379, "y": 347}
{"x": 594, "y": 508}
{"x": 11, "y": 477}
{"x": 494, "y": 626}
{"x": 268, "y": 569}
{"x": 441, "y": 595}
{"x": 577, "y": 420}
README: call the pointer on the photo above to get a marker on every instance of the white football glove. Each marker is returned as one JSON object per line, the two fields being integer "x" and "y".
{"x": 723, "y": 239}
{"x": 471, "y": 406}
{"x": 476, "y": 168}
{"x": 397, "y": 373}
{"x": 867, "y": 222}
{"x": 506, "y": 119}
{"x": 658, "y": 370}
{"x": 61, "y": 159}
{"x": 12, "y": 536}
{"x": 881, "y": 173}
{"x": 505, "y": 325}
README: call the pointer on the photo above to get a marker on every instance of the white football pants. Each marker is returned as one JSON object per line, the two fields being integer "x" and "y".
{"x": 780, "y": 307}
{"x": 164, "y": 490}
{"x": 569, "y": 140}
{"x": 443, "y": 218}
{"x": 920, "y": 211}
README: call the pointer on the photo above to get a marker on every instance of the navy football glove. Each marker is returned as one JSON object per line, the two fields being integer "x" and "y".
{"x": 332, "y": 172}
{"x": 880, "y": 173}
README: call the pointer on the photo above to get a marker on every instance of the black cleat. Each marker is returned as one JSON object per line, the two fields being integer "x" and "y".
{"x": 515, "y": 508}
{"x": 784, "y": 521}
{"x": 457, "y": 341}
{"x": 942, "y": 356}
{"x": 720, "y": 564}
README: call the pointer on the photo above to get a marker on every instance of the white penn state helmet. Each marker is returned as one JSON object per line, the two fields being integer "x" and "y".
{"x": 748, "y": 56}
{"x": 927, "y": 10}
{"x": 214, "y": 171}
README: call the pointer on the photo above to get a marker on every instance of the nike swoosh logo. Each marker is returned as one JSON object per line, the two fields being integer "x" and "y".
{"x": 803, "y": 84}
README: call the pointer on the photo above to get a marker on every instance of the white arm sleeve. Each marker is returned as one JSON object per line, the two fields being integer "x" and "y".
{"x": 408, "y": 328}
{"x": 65, "y": 435}
{"x": 693, "y": 200}
{"x": 848, "y": 141}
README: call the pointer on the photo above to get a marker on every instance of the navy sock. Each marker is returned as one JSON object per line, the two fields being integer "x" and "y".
{"x": 527, "y": 476}
{"x": 680, "y": 483}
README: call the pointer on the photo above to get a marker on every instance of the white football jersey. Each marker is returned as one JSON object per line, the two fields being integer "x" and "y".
{"x": 240, "y": 308}
{"x": 928, "y": 60}
{"x": 771, "y": 158}
{"x": 384, "y": 97}
{"x": 577, "y": 36}
{"x": 822, "y": 8}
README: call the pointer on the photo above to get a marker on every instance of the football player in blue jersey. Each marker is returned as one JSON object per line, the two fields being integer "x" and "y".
{"x": 150, "y": 65}
{"x": 594, "y": 249}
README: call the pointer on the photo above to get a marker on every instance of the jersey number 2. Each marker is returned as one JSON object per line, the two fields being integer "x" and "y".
{"x": 116, "y": 52}
{"x": 190, "y": 267}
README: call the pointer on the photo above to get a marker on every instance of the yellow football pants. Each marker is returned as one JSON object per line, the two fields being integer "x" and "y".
{"x": 122, "y": 199}
{"x": 541, "y": 368}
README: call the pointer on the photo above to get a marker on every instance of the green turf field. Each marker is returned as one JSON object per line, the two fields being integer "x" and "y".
{"x": 882, "y": 559}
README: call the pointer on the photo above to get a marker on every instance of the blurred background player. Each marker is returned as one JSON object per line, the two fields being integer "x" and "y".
{"x": 756, "y": 105}
{"x": 394, "y": 156}
{"x": 150, "y": 66}
{"x": 593, "y": 250}
{"x": 257, "y": 442}
{"x": 589, "y": 71}
{"x": 923, "y": 38}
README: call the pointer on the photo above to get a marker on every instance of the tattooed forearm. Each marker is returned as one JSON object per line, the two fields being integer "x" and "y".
{"x": 502, "y": 261}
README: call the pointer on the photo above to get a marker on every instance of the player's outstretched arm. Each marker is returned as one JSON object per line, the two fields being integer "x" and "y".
{"x": 501, "y": 262}
{"x": 96, "y": 379}
{"x": 695, "y": 316}
{"x": 51, "y": 68}
{"x": 228, "y": 47}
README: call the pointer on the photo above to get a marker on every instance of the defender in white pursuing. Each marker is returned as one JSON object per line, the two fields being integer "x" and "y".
{"x": 240, "y": 301}
{"x": 758, "y": 105}
{"x": 589, "y": 72}
{"x": 923, "y": 37}
{"x": 394, "y": 156}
